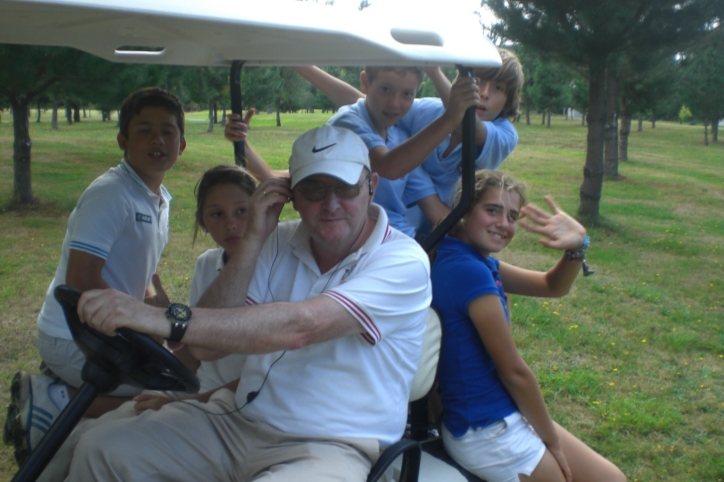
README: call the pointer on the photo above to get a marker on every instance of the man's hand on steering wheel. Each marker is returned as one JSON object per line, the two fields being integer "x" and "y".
{"x": 108, "y": 310}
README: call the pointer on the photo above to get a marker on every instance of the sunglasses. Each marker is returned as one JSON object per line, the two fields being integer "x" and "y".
{"x": 317, "y": 191}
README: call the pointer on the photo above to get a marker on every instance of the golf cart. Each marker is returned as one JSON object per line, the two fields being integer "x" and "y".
{"x": 217, "y": 33}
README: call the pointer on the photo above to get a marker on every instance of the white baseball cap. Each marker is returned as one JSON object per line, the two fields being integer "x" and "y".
{"x": 329, "y": 150}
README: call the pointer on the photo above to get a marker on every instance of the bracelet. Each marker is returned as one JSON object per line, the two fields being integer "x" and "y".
{"x": 579, "y": 254}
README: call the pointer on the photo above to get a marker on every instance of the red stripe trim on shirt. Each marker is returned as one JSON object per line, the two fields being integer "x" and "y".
{"x": 359, "y": 313}
{"x": 388, "y": 231}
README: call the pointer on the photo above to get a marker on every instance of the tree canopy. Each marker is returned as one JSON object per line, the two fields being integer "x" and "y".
{"x": 587, "y": 33}
{"x": 702, "y": 81}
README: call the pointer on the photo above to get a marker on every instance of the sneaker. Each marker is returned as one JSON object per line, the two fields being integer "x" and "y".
{"x": 44, "y": 370}
{"x": 30, "y": 413}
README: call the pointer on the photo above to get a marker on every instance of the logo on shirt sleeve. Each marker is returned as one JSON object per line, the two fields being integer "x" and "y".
{"x": 143, "y": 218}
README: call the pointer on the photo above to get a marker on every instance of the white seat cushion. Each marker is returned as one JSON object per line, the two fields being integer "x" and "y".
{"x": 425, "y": 375}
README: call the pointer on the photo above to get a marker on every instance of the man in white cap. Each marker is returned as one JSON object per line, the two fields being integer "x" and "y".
{"x": 330, "y": 308}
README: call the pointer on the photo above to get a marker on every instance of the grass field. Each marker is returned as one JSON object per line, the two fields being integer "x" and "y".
{"x": 632, "y": 361}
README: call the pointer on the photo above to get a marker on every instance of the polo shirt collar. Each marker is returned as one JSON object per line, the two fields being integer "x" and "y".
{"x": 300, "y": 240}
{"x": 126, "y": 167}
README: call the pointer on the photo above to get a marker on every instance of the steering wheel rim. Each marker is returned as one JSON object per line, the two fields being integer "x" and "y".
{"x": 138, "y": 358}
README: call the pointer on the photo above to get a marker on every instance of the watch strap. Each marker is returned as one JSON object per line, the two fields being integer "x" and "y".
{"x": 179, "y": 315}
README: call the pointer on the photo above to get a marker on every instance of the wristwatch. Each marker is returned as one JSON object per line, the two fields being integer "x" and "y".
{"x": 179, "y": 315}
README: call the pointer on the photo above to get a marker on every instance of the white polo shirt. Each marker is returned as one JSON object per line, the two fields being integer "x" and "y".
{"x": 355, "y": 386}
{"x": 119, "y": 219}
{"x": 213, "y": 374}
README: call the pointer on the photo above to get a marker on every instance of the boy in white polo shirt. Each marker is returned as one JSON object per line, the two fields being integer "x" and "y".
{"x": 115, "y": 237}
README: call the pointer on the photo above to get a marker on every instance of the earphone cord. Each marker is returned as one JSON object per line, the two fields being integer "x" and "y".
{"x": 249, "y": 396}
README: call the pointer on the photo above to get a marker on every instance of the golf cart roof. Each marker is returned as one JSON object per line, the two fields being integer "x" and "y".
{"x": 260, "y": 32}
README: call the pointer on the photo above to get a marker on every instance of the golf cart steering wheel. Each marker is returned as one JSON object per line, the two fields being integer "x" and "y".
{"x": 138, "y": 359}
{"x": 130, "y": 358}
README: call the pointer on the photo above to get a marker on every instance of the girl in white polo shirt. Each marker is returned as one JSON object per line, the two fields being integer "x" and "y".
{"x": 222, "y": 198}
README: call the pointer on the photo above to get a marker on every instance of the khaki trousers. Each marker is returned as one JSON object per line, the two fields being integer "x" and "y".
{"x": 188, "y": 441}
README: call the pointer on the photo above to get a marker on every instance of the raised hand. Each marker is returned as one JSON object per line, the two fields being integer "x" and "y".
{"x": 464, "y": 93}
{"x": 265, "y": 206}
{"x": 561, "y": 231}
{"x": 236, "y": 128}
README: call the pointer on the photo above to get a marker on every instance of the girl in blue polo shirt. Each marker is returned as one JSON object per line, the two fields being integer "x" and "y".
{"x": 495, "y": 421}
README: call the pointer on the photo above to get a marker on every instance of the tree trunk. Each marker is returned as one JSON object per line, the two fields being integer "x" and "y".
{"x": 715, "y": 130}
{"x": 590, "y": 192}
{"x": 76, "y": 112}
{"x": 706, "y": 133}
{"x": 641, "y": 122}
{"x": 22, "y": 189}
{"x": 223, "y": 117}
{"x": 610, "y": 166}
{"x": 625, "y": 130}
{"x": 216, "y": 114}
{"x": 653, "y": 121}
{"x": 279, "y": 119}
{"x": 549, "y": 117}
{"x": 68, "y": 113}
{"x": 211, "y": 117}
{"x": 54, "y": 116}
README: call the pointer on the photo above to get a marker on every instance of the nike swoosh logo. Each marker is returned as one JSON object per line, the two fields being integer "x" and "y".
{"x": 315, "y": 150}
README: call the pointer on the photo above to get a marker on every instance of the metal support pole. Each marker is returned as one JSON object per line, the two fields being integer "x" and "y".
{"x": 235, "y": 90}
{"x": 467, "y": 166}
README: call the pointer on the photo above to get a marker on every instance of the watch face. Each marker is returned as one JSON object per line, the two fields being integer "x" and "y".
{"x": 179, "y": 312}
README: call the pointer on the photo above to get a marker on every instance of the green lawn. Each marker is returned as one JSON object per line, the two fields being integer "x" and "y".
{"x": 632, "y": 361}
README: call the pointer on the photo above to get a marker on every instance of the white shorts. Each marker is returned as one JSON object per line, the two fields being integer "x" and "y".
{"x": 64, "y": 358}
{"x": 498, "y": 452}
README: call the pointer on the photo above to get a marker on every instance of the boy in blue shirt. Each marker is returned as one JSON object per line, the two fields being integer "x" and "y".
{"x": 495, "y": 135}
{"x": 115, "y": 237}
{"x": 395, "y": 154}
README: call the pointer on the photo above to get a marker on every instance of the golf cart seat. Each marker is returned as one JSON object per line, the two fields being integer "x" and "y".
{"x": 434, "y": 463}
{"x": 407, "y": 469}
